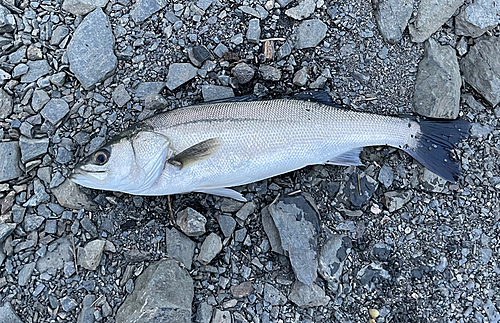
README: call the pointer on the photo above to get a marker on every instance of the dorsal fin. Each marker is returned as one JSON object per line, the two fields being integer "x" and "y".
{"x": 316, "y": 96}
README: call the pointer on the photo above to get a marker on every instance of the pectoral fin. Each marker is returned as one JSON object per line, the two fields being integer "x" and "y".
{"x": 196, "y": 153}
{"x": 349, "y": 158}
{"x": 225, "y": 192}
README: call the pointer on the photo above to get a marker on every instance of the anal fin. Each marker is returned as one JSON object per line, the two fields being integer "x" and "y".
{"x": 348, "y": 158}
{"x": 225, "y": 192}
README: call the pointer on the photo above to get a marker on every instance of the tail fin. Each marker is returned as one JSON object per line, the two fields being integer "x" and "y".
{"x": 437, "y": 138}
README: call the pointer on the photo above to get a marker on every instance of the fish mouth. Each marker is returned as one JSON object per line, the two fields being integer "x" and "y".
{"x": 87, "y": 178}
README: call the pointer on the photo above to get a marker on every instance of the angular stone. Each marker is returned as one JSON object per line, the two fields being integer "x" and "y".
{"x": 302, "y": 11}
{"x": 392, "y": 18}
{"x": 180, "y": 73}
{"x": 198, "y": 55}
{"x": 271, "y": 231}
{"x": 437, "y": 88}
{"x": 32, "y": 222}
{"x": 90, "y": 51}
{"x": 300, "y": 77}
{"x": 32, "y": 148}
{"x": 242, "y": 290}
{"x": 227, "y": 225}
{"x": 59, "y": 33}
{"x": 331, "y": 259}
{"x": 477, "y": 18}
{"x": 270, "y": 73}
{"x": 83, "y": 7}
{"x": 39, "y": 194}
{"x": 163, "y": 293}
{"x": 191, "y": 222}
{"x": 6, "y": 104}
{"x": 89, "y": 256}
{"x": 210, "y": 248}
{"x": 39, "y": 100}
{"x": 25, "y": 273}
{"x": 69, "y": 195}
{"x": 55, "y": 110}
{"x": 386, "y": 176}
{"x": 491, "y": 311}
{"x": 180, "y": 247}
{"x": 55, "y": 259}
{"x": 273, "y": 296}
{"x": 147, "y": 88}
{"x": 7, "y": 314}
{"x": 481, "y": 68}
{"x": 243, "y": 72}
{"x": 432, "y": 182}
{"x": 7, "y": 21}
{"x": 19, "y": 70}
{"x": 216, "y": 92}
{"x": 68, "y": 304}
{"x": 121, "y": 96}
{"x": 246, "y": 210}
{"x": 432, "y": 14}
{"x": 86, "y": 315}
{"x": 5, "y": 230}
{"x": 143, "y": 9}
{"x": 396, "y": 199}
{"x": 253, "y": 32}
{"x": 9, "y": 163}
{"x": 36, "y": 69}
{"x": 310, "y": 33}
{"x": 204, "y": 313}
{"x": 308, "y": 295}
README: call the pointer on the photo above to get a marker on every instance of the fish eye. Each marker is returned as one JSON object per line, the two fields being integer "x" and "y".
{"x": 101, "y": 157}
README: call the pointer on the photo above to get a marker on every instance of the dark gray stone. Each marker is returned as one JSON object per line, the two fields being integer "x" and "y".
{"x": 300, "y": 77}
{"x": 59, "y": 34}
{"x": 392, "y": 18}
{"x": 372, "y": 274}
{"x": 308, "y": 295}
{"x": 481, "y": 68}
{"x": 163, "y": 293}
{"x": 5, "y": 230}
{"x": 7, "y": 314}
{"x": 155, "y": 101}
{"x": 271, "y": 231}
{"x": 69, "y": 195}
{"x": 359, "y": 182}
{"x": 32, "y": 222}
{"x": 64, "y": 156}
{"x": 437, "y": 88}
{"x": 310, "y": 33}
{"x": 89, "y": 256}
{"x": 191, "y": 222}
{"x": 216, "y": 92}
{"x": 227, "y": 225}
{"x": 180, "y": 73}
{"x": 432, "y": 182}
{"x": 68, "y": 304}
{"x": 143, "y": 9}
{"x": 87, "y": 312}
{"x": 477, "y": 18}
{"x": 273, "y": 296}
{"x": 19, "y": 70}
{"x": 270, "y": 73}
{"x": 432, "y": 14}
{"x": 91, "y": 40}
{"x": 36, "y": 69}
{"x": 55, "y": 110}
{"x": 243, "y": 72}
{"x": 25, "y": 273}
{"x": 198, "y": 55}
{"x": 39, "y": 99}
{"x": 9, "y": 163}
{"x": 120, "y": 95}
{"x": 32, "y": 148}
{"x": 381, "y": 251}
{"x": 6, "y": 104}
{"x": 82, "y": 7}
{"x": 180, "y": 247}
{"x": 302, "y": 11}
{"x": 204, "y": 313}
{"x": 210, "y": 248}
{"x": 298, "y": 238}
{"x": 386, "y": 176}
{"x": 331, "y": 259}
{"x": 147, "y": 88}
{"x": 7, "y": 21}
{"x": 395, "y": 200}
{"x": 284, "y": 51}
{"x": 39, "y": 194}
{"x": 253, "y": 32}
{"x": 246, "y": 210}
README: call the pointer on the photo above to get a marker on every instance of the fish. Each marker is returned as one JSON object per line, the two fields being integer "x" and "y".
{"x": 213, "y": 146}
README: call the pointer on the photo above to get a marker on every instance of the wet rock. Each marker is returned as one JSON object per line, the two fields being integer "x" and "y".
{"x": 180, "y": 73}
{"x": 180, "y": 247}
{"x": 210, "y": 248}
{"x": 55, "y": 110}
{"x": 392, "y": 18}
{"x": 481, "y": 68}
{"x": 308, "y": 295}
{"x": 191, "y": 222}
{"x": 359, "y": 189}
{"x": 198, "y": 55}
{"x": 57, "y": 258}
{"x": 5, "y": 230}
{"x": 302, "y": 11}
{"x": 120, "y": 95}
{"x": 242, "y": 290}
{"x": 86, "y": 314}
{"x": 39, "y": 194}
{"x": 6, "y": 104}
{"x": 89, "y": 256}
{"x": 243, "y": 72}
{"x": 143, "y": 9}
{"x": 270, "y": 73}
{"x": 310, "y": 33}
{"x": 253, "y": 32}
{"x": 331, "y": 259}
{"x": 7, "y": 314}
{"x": 432, "y": 14}
{"x": 437, "y": 88}
{"x": 36, "y": 69}
{"x": 25, "y": 273}
{"x": 216, "y": 92}
{"x": 69, "y": 195}
{"x": 227, "y": 225}
{"x": 396, "y": 199}
{"x": 32, "y": 148}
{"x": 204, "y": 313}
{"x": 273, "y": 296}
{"x": 477, "y": 18}
{"x": 7, "y": 21}
{"x": 82, "y": 7}
{"x": 93, "y": 38}
{"x": 300, "y": 77}
{"x": 163, "y": 293}
{"x": 9, "y": 163}
{"x": 297, "y": 237}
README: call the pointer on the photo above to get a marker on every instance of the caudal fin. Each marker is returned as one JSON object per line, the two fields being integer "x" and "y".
{"x": 437, "y": 138}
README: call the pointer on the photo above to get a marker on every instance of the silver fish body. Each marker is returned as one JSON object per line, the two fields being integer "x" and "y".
{"x": 245, "y": 142}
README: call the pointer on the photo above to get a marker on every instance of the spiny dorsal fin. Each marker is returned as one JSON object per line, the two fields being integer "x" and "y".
{"x": 316, "y": 96}
{"x": 196, "y": 153}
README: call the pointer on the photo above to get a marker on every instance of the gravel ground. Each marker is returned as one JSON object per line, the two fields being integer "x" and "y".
{"x": 387, "y": 242}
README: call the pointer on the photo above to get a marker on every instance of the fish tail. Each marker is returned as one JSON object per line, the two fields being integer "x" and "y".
{"x": 436, "y": 139}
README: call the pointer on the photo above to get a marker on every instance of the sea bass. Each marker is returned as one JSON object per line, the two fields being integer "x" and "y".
{"x": 216, "y": 145}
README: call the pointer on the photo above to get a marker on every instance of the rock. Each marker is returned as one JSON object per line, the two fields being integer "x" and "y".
{"x": 359, "y": 182}
{"x": 210, "y": 248}
{"x": 92, "y": 38}
{"x": 86, "y": 315}
{"x": 432, "y": 182}
{"x": 221, "y": 316}
{"x": 432, "y": 14}
{"x": 220, "y": 50}
{"x": 216, "y": 92}
{"x": 477, "y": 18}
{"x": 68, "y": 304}
{"x": 302, "y": 11}
{"x": 36, "y": 69}
{"x": 59, "y": 34}
{"x": 147, "y": 88}
{"x": 5, "y": 230}
{"x": 381, "y": 251}
{"x": 373, "y": 313}
{"x": 199, "y": 54}
{"x": 485, "y": 255}
{"x": 191, "y": 222}
{"x": 89, "y": 256}
{"x": 9, "y": 163}
{"x": 386, "y": 176}
{"x": 392, "y": 18}
{"x": 491, "y": 311}
{"x": 372, "y": 272}
{"x": 237, "y": 39}
{"x": 25, "y": 273}
{"x": 120, "y": 95}
{"x": 271, "y": 231}
{"x": 250, "y": 11}
{"x": 32, "y": 222}
{"x": 253, "y": 32}
{"x": 39, "y": 194}
{"x": 6, "y": 104}
{"x": 7, "y": 21}
{"x": 226, "y": 224}
{"x": 204, "y": 313}
{"x": 242, "y": 290}
{"x": 57, "y": 258}
{"x": 308, "y": 295}
{"x": 55, "y": 110}
{"x": 331, "y": 259}
{"x": 298, "y": 238}
{"x": 243, "y": 72}
{"x": 69, "y": 195}
{"x": 396, "y": 199}
{"x": 310, "y": 33}
{"x": 143, "y": 9}
{"x": 437, "y": 88}
{"x": 270, "y": 73}
{"x": 180, "y": 73}
{"x": 481, "y": 68}
{"x": 7, "y": 314}
{"x": 155, "y": 101}
{"x": 32, "y": 148}
{"x": 19, "y": 70}
{"x": 58, "y": 79}
{"x": 300, "y": 77}
{"x": 64, "y": 156}
{"x": 83, "y": 7}
{"x": 284, "y": 51}
{"x": 163, "y": 293}
{"x": 17, "y": 56}
{"x": 180, "y": 247}
{"x": 245, "y": 211}
{"x": 39, "y": 100}
{"x": 273, "y": 296}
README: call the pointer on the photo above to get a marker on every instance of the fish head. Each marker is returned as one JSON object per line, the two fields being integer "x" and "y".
{"x": 130, "y": 162}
